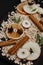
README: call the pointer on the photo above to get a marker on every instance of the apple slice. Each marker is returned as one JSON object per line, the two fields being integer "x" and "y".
{"x": 34, "y": 49}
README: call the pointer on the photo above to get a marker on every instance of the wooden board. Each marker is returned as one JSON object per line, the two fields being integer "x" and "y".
{"x": 20, "y": 8}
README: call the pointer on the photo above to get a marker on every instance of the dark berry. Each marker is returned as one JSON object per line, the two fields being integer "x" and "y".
{"x": 24, "y": 61}
{"x": 41, "y": 15}
{"x": 20, "y": 31}
{"x": 3, "y": 39}
{"x": 31, "y": 51}
{"x": 10, "y": 30}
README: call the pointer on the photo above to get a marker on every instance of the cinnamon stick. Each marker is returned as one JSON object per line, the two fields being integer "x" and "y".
{"x": 41, "y": 21}
{"x": 39, "y": 25}
{"x": 14, "y": 49}
{"x": 5, "y": 43}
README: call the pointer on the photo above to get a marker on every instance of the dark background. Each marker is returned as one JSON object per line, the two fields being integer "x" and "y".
{"x": 5, "y": 7}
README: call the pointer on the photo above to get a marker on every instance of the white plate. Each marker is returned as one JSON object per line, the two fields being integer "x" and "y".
{"x": 29, "y": 9}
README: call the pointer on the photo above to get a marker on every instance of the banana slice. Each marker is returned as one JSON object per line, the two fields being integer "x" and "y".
{"x": 23, "y": 53}
{"x": 26, "y": 24}
{"x": 34, "y": 50}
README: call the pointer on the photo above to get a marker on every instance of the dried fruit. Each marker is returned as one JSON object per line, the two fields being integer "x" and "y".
{"x": 20, "y": 31}
{"x": 10, "y": 30}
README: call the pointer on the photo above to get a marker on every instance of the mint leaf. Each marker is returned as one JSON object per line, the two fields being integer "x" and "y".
{"x": 16, "y": 20}
{"x": 33, "y": 10}
{"x": 39, "y": 39}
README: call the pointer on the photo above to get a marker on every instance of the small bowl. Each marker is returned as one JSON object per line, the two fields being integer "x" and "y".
{"x": 15, "y": 33}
